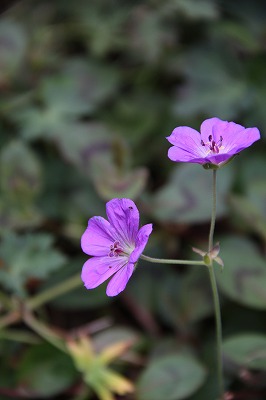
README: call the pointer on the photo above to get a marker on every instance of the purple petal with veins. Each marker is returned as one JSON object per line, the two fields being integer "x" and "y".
{"x": 115, "y": 245}
{"x": 216, "y": 143}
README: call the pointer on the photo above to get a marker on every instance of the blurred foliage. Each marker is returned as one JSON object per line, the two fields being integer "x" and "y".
{"x": 88, "y": 92}
{"x": 171, "y": 378}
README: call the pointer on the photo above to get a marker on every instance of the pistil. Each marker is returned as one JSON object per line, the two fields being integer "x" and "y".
{"x": 212, "y": 145}
{"x": 115, "y": 250}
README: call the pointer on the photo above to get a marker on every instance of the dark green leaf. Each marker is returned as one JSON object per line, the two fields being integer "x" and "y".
{"x": 212, "y": 88}
{"x": 79, "y": 298}
{"x": 27, "y": 256}
{"x": 171, "y": 378}
{"x": 244, "y": 276}
{"x": 20, "y": 170}
{"x": 129, "y": 184}
{"x": 112, "y": 336}
{"x": 79, "y": 88}
{"x": 46, "y": 371}
{"x": 246, "y": 350}
{"x": 179, "y": 309}
{"x": 13, "y": 43}
{"x": 187, "y": 196}
{"x": 194, "y": 9}
{"x": 20, "y": 184}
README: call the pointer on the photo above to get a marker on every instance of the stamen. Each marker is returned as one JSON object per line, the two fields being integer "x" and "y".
{"x": 212, "y": 145}
{"x": 115, "y": 249}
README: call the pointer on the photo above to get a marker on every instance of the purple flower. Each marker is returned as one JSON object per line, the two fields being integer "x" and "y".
{"x": 115, "y": 245}
{"x": 217, "y": 142}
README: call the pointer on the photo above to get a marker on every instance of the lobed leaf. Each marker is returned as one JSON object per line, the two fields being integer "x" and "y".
{"x": 244, "y": 275}
{"x": 171, "y": 378}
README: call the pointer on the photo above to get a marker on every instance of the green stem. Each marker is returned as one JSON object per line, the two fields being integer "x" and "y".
{"x": 19, "y": 336}
{"x": 53, "y": 292}
{"x": 218, "y": 330}
{"x": 215, "y": 294}
{"x": 5, "y": 301}
{"x": 9, "y": 319}
{"x": 170, "y": 261}
{"x": 213, "y": 217}
{"x": 43, "y": 331}
{"x": 75, "y": 281}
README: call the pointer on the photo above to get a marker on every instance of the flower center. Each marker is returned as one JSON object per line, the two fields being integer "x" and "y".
{"x": 212, "y": 145}
{"x": 115, "y": 250}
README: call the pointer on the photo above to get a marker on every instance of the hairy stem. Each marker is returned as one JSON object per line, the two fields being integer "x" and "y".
{"x": 213, "y": 217}
{"x": 9, "y": 319}
{"x": 45, "y": 332}
{"x": 170, "y": 261}
{"x": 215, "y": 294}
{"x": 53, "y": 292}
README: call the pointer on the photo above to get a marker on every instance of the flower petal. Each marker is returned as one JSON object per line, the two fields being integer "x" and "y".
{"x": 186, "y": 143}
{"x": 227, "y": 139}
{"x": 124, "y": 218}
{"x": 183, "y": 134}
{"x": 234, "y": 136}
{"x": 98, "y": 269}
{"x": 179, "y": 155}
{"x": 141, "y": 241}
{"x": 207, "y": 128}
{"x": 119, "y": 281}
{"x": 241, "y": 139}
{"x": 217, "y": 159}
{"x": 98, "y": 237}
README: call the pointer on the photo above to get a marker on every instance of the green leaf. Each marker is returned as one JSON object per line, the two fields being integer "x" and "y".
{"x": 179, "y": 309}
{"x": 46, "y": 371}
{"x": 246, "y": 350}
{"x": 194, "y": 9}
{"x": 132, "y": 119}
{"x": 77, "y": 299}
{"x": 27, "y": 256}
{"x": 90, "y": 141}
{"x": 20, "y": 184}
{"x": 102, "y": 27}
{"x": 212, "y": 88}
{"x": 249, "y": 206}
{"x": 232, "y": 33}
{"x": 129, "y": 184}
{"x": 249, "y": 212}
{"x": 8, "y": 354}
{"x": 112, "y": 336}
{"x": 93, "y": 150}
{"x": 20, "y": 170}
{"x": 13, "y": 43}
{"x": 79, "y": 88}
{"x": 252, "y": 167}
{"x": 149, "y": 35}
{"x": 187, "y": 195}
{"x": 40, "y": 122}
{"x": 244, "y": 276}
{"x": 171, "y": 378}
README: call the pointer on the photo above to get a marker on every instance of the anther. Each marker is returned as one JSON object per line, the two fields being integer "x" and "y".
{"x": 115, "y": 250}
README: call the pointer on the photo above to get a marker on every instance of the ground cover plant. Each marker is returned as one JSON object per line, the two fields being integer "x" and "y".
{"x": 89, "y": 94}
